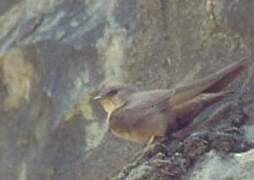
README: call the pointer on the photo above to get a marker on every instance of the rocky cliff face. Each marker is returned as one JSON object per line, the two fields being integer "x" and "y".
{"x": 55, "y": 53}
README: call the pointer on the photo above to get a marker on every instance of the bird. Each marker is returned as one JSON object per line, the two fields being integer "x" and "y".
{"x": 142, "y": 116}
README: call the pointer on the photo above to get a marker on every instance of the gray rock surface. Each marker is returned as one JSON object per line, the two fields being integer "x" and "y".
{"x": 55, "y": 53}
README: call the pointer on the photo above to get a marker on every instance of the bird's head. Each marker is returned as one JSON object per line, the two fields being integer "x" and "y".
{"x": 114, "y": 96}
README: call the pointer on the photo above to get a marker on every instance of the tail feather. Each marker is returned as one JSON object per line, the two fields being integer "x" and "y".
{"x": 187, "y": 111}
{"x": 211, "y": 84}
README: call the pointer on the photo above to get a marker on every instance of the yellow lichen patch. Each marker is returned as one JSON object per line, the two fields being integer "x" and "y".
{"x": 86, "y": 108}
{"x": 94, "y": 130}
{"x": 68, "y": 115}
{"x": 83, "y": 107}
{"x": 18, "y": 75}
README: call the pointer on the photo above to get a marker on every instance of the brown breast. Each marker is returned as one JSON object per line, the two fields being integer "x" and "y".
{"x": 138, "y": 128}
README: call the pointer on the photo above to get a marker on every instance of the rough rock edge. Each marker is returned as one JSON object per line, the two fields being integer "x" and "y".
{"x": 174, "y": 157}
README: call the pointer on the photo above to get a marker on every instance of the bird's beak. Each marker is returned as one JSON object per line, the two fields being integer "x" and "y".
{"x": 97, "y": 98}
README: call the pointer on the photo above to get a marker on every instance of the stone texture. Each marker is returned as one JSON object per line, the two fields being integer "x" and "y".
{"x": 55, "y": 53}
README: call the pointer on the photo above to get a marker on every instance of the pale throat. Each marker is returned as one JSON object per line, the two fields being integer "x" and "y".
{"x": 110, "y": 104}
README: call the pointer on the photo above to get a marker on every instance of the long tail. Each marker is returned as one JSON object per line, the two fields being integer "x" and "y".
{"x": 188, "y": 110}
{"x": 210, "y": 84}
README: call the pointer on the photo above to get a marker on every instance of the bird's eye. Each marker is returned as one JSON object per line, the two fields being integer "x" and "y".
{"x": 113, "y": 92}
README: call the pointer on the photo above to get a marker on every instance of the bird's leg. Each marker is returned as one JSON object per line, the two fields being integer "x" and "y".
{"x": 107, "y": 120}
{"x": 149, "y": 143}
{"x": 147, "y": 147}
{"x": 108, "y": 117}
{"x": 150, "y": 148}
